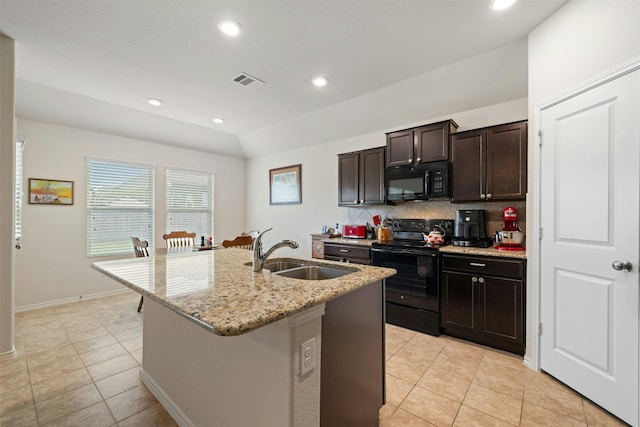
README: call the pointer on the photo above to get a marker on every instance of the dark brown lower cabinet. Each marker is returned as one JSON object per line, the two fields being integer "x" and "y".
{"x": 483, "y": 300}
{"x": 357, "y": 254}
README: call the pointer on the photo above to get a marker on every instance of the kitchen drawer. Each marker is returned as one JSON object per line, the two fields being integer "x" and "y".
{"x": 501, "y": 267}
{"x": 351, "y": 253}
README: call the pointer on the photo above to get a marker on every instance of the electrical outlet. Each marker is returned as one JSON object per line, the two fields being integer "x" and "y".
{"x": 307, "y": 356}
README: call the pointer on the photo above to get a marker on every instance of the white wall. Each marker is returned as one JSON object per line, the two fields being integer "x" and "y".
{"x": 320, "y": 180}
{"x": 581, "y": 41}
{"x": 52, "y": 264}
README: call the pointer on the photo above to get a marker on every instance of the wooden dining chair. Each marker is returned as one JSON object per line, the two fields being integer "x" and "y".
{"x": 141, "y": 249}
{"x": 240, "y": 242}
{"x": 179, "y": 239}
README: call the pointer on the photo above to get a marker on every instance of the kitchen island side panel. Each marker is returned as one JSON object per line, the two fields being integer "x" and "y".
{"x": 238, "y": 381}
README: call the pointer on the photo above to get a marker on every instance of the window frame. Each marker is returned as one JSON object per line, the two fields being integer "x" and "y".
{"x": 139, "y": 220}
{"x": 19, "y": 187}
{"x": 173, "y": 176}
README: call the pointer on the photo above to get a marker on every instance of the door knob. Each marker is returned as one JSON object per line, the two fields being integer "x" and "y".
{"x": 621, "y": 265}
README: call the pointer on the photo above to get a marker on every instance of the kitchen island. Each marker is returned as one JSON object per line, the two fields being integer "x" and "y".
{"x": 224, "y": 346}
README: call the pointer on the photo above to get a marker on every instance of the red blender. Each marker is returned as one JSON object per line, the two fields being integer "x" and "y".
{"x": 510, "y": 238}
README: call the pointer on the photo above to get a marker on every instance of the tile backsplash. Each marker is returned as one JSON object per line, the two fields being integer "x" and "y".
{"x": 439, "y": 209}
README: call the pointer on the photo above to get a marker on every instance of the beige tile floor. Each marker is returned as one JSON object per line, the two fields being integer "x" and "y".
{"x": 442, "y": 381}
{"x": 78, "y": 365}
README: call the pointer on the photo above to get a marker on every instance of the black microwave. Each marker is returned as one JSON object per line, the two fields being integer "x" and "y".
{"x": 417, "y": 182}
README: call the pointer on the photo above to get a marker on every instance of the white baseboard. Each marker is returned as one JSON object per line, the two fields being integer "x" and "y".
{"x": 528, "y": 363}
{"x": 175, "y": 412}
{"x": 69, "y": 300}
{"x": 8, "y": 353}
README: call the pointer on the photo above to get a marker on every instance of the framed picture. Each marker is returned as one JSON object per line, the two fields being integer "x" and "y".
{"x": 285, "y": 185}
{"x": 50, "y": 192}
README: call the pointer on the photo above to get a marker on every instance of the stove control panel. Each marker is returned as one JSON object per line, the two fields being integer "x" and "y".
{"x": 417, "y": 225}
{"x": 445, "y": 224}
{"x": 423, "y": 225}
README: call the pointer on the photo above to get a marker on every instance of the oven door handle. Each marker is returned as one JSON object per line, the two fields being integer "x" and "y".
{"x": 404, "y": 252}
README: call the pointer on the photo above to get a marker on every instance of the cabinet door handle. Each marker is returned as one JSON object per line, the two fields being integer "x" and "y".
{"x": 482, "y": 196}
{"x": 477, "y": 264}
{"x": 344, "y": 250}
{"x": 474, "y": 279}
{"x": 488, "y": 195}
{"x": 355, "y": 202}
{"x": 418, "y": 159}
{"x": 481, "y": 280}
{"x": 361, "y": 201}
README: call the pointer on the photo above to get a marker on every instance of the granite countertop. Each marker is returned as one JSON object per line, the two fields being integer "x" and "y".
{"x": 217, "y": 291}
{"x": 450, "y": 249}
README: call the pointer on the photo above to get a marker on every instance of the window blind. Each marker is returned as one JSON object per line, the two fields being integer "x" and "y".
{"x": 120, "y": 204}
{"x": 19, "y": 189}
{"x": 190, "y": 202}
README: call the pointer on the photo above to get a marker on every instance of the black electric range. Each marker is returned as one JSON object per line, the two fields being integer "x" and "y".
{"x": 413, "y": 294}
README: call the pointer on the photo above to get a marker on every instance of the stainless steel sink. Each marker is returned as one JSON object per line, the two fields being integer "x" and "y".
{"x": 300, "y": 269}
{"x": 314, "y": 272}
{"x": 281, "y": 265}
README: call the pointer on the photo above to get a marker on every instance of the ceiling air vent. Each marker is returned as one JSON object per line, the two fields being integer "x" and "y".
{"x": 248, "y": 80}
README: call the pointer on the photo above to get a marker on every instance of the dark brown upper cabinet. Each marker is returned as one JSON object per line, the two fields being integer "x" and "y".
{"x": 490, "y": 164}
{"x": 422, "y": 144}
{"x": 361, "y": 177}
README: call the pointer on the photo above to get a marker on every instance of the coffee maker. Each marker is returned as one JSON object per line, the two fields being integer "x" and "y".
{"x": 470, "y": 229}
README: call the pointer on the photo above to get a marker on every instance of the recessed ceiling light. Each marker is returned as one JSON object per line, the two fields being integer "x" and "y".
{"x": 218, "y": 120}
{"x": 230, "y": 28}
{"x": 154, "y": 101}
{"x": 319, "y": 81}
{"x": 501, "y": 4}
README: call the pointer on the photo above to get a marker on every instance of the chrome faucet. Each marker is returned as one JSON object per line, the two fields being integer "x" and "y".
{"x": 259, "y": 258}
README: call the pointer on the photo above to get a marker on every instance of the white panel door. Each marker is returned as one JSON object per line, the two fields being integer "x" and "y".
{"x": 590, "y": 218}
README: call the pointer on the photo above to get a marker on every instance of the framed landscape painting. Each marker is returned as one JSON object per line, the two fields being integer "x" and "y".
{"x": 50, "y": 192}
{"x": 285, "y": 185}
